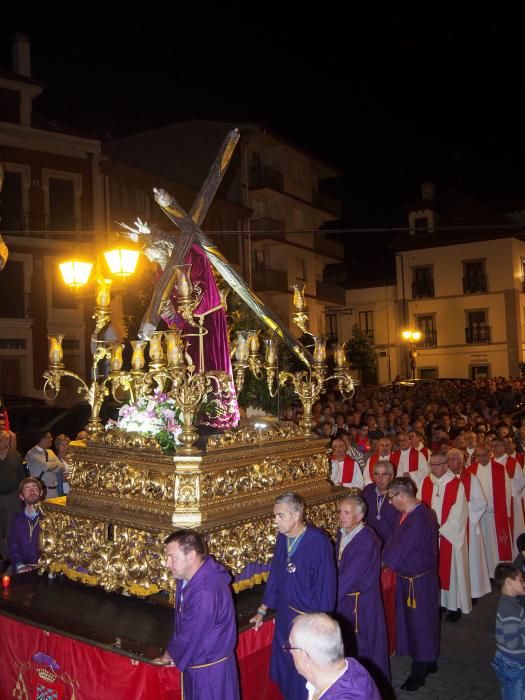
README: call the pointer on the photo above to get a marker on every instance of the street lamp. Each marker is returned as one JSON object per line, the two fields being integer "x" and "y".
{"x": 411, "y": 337}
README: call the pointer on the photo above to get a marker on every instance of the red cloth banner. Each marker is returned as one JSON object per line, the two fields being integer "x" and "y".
{"x": 36, "y": 663}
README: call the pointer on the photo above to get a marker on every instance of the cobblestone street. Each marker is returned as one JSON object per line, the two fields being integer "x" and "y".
{"x": 467, "y": 648}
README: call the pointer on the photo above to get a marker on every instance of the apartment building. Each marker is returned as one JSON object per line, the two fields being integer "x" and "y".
{"x": 51, "y": 201}
{"x": 460, "y": 280}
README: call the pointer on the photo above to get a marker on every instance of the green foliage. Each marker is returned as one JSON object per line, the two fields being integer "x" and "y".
{"x": 361, "y": 351}
{"x": 255, "y": 392}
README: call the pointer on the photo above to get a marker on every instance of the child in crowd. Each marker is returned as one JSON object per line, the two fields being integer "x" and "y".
{"x": 509, "y": 660}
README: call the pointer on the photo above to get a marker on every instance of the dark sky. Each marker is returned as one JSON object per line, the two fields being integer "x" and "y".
{"x": 393, "y": 93}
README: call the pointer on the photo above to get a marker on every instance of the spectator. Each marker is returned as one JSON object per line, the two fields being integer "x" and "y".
{"x": 11, "y": 474}
{"x": 62, "y": 447}
{"x": 24, "y": 533}
{"x": 43, "y": 464}
{"x": 509, "y": 660}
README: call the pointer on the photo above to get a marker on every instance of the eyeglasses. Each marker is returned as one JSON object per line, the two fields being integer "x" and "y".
{"x": 287, "y": 647}
{"x": 437, "y": 464}
{"x": 393, "y": 495}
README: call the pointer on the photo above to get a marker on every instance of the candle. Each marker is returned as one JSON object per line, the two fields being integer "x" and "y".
{"x": 6, "y": 580}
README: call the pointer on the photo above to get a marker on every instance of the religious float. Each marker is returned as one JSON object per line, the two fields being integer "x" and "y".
{"x": 127, "y": 492}
{"x": 175, "y": 458}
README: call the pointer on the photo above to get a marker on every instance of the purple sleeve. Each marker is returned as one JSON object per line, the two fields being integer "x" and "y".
{"x": 14, "y": 543}
{"x": 271, "y": 592}
{"x": 194, "y": 628}
{"x": 327, "y": 567}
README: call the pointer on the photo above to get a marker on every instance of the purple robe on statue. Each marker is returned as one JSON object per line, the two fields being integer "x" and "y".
{"x": 24, "y": 540}
{"x": 359, "y": 573}
{"x": 215, "y": 349}
{"x": 412, "y": 552}
{"x": 384, "y": 526}
{"x": 354, "y": 684}
{"x": 203, "y": 643}
{"x": 310, "y": 588}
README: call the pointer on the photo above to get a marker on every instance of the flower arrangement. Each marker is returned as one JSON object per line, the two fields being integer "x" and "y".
{"x": 155, "y": 414}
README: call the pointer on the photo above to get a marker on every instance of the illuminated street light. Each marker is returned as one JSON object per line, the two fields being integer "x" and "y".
{"x": 122, "y": 261}
{"x": 75, "y": 272}
{"x": 412, "y": 336}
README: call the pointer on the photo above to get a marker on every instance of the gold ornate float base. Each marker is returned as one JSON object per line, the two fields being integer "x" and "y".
{"x": 125, "y": 499}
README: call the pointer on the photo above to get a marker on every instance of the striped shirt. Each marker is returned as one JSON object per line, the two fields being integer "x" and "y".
{"x": 510, "y": 628}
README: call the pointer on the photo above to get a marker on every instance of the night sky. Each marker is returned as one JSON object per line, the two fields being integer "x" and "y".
{"x": 393, "y": 93}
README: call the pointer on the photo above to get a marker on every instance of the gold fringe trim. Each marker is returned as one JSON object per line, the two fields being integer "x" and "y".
{"x": 239, "y": 586}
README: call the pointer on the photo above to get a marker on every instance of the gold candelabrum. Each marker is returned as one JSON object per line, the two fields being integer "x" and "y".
{"x": 308, "y": 384}
{"x": 170, "y": 368}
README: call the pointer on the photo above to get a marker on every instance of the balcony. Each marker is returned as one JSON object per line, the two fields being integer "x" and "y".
{"x": 261, "y": 177}
{"x": 329, "y": 248}
{"x": 42, "y": 225}
{"x": 423, "y": 289}
{"x": 270, "y": 280}
{"x": 324, "y": 202}
{"x": 474, "y": 284}
{"x": 16, "y": 305}
{"x": 477, "y": 335}
{"x": 332, "y": 293}
{"x": 429, "y": 339}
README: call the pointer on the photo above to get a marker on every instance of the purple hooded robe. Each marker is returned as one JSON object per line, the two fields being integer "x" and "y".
{"x": 354, "y": 684}
{"x": 203, "y": 643}
{"x": 310, "y": 588}
{"x": 359, "y": 573}
{"x": 412, "y": 552}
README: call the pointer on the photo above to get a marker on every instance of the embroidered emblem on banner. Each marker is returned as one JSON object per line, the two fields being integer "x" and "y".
{"x": 43, "y": 679}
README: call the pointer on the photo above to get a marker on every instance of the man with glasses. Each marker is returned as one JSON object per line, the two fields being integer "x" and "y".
{"x": 412, "y": 552}
{"x": 316, "y": 647}
{"x": 445, "y": 495}
{"x": 384, "y": 450}
{"x": 382, "y": 517}
{"x": 303, "y": 579}
{"x": 477, "y": 505}
{"x": 494, "y": 522}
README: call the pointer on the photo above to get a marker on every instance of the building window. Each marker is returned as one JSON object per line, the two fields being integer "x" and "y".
{"x": 62, "y": 199}
{"x": 12, "y": 203}
{"x": 427, "y": 326}
{"x": 12, "y": 292}
{"x": 479, "y": 371}
{"x": 474, "y": 277}
{"x": 61, "y": 205}
{"x": 421, "y": 225}
{"x": 477, "y": 330}
{"x": 300, "y": 266}
{"x": 366, "y": 323}
{"x": 298, "y": 173}
{"x": 428, "y": 372}
{"x": 423, "y": 282}
{"x": 331, "y": 328}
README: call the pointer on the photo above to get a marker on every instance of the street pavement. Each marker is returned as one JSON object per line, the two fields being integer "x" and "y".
{"x": 467, "y": 647}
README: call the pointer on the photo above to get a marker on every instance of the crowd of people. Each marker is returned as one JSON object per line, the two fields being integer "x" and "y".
{"x": 435, "y": 510}
{"x": 41, "y": 470}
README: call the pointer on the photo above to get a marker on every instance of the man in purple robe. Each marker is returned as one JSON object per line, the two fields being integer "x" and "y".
{"x": 359, "y": 592}
{"x": 24, "y": 533}
{"x": 302, "y": 580}
{"x": 382, "y": 517}
{"x": 203, "y": 643}
{"x": 316, "y": 646}
{"x": 412, "y": 552}
{"x": 380, "y": 514}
